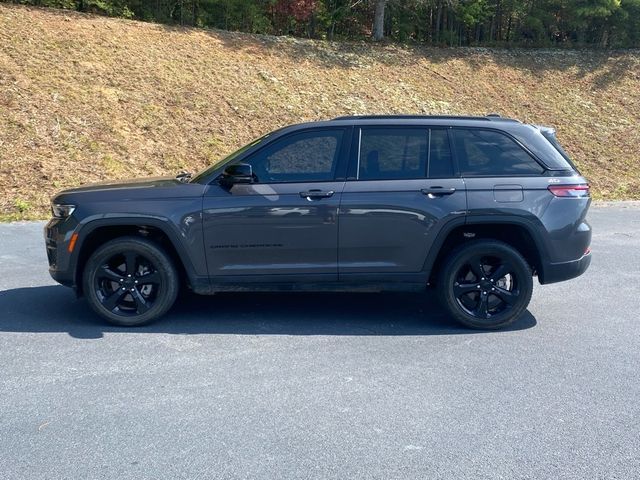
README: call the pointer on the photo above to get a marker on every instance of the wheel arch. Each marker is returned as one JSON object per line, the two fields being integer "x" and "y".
{"x": 97, "y": 232}
{"x": 518, "y": 232}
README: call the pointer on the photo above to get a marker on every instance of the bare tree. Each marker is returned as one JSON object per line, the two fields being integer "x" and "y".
{"x": 378, "y": 20}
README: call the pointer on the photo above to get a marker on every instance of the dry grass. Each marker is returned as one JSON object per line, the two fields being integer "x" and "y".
{"x": 84, "y": 98}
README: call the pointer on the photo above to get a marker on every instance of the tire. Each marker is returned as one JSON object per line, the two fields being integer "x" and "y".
{"x": 485, "y": 284}
{"x": 130, "y": 281}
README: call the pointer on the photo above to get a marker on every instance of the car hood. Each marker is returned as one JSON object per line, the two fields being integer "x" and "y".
{"x": 151, "y": 182}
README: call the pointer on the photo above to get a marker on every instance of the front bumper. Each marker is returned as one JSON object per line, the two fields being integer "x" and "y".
{"x": 558, "y": 272}
{"x": 56, "y": 236}
{"x": 63, "y": 278}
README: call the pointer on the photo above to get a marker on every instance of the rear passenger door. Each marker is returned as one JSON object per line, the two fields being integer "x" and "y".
{"x": 401, "y": 188}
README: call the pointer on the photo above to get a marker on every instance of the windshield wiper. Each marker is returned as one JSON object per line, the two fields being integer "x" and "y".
{"x": 184, "y": 176}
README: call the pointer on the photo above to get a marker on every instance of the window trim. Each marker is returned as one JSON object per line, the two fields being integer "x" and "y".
{"x": 452, "y": 142}
{"x": 359, "y": 152}
{"x": 429, "y": 154}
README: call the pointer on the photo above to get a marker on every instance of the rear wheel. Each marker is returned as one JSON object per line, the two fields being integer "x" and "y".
{"x": 485, "y": 284}
{"x": 130, "y": 281}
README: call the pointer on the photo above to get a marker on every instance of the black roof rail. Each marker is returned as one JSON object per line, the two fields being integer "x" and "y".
{"x": 410, "y": 117}
{"x": 489, "y": 117}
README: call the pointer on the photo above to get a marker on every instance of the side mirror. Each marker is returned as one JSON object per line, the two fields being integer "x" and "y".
{"x": 237, "y": 173}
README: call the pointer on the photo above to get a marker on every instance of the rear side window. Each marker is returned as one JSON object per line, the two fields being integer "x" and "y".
{"x": 491, "y": 153}
{"x": 404, "y": 153}
{"x": 388, "y": 153}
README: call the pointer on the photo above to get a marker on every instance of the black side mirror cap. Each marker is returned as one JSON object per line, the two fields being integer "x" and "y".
{"x": 237, "y": 173}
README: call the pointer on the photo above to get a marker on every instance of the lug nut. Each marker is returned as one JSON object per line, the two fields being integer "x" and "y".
{"x": 477, "y": 286}
{"x": 123, "y": 288}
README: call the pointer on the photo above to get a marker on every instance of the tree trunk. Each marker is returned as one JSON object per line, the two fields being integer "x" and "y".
{"x": 498, "y": 22}
{"x": 195, "y": 12}
{"x": 378, "y": 20}
{"x": 311, "y": 28}
{"x": 438, "y": 22}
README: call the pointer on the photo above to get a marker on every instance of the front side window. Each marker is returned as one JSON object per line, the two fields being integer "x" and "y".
{"x": 486, "y": 152}
{"x": 301, "y": 157}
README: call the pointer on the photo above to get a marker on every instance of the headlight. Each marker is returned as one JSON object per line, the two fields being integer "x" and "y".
{"x": 62, "y": 211}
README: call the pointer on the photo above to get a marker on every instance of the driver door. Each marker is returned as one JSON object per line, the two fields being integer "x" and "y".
{"x": 283, "y": 225}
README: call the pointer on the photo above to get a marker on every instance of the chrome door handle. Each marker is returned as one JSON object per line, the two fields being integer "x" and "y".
{"x": 311, "y": 194}
{"x": 438, "y": 191}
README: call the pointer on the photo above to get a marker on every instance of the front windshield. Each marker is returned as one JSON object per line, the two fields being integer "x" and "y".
{"x": 228, "y": 159}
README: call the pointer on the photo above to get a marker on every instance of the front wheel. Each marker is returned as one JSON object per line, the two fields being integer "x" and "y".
{"x": 485, "y": 284}
{"x": 130, "y": 281}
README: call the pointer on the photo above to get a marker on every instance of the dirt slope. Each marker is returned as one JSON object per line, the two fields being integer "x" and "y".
{"x": 85, "y": 98}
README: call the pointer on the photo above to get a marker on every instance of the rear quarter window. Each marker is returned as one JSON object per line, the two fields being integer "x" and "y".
{"x": 542, "y": 148}
{"x": 491, "y": 153}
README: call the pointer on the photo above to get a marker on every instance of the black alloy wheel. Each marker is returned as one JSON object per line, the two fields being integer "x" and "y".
{"x": 130, "y": 281}
{"x": 127, "y": 284}
{"x": 485, "y": 284}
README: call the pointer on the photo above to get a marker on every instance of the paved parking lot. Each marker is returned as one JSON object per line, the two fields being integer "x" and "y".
{"x": 323, "y": 386}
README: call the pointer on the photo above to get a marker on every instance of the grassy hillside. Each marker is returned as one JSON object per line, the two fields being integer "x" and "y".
{"x": 86, "y": 98}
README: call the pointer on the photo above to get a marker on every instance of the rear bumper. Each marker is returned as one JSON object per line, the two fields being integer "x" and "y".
{"x": 558, "y": 272}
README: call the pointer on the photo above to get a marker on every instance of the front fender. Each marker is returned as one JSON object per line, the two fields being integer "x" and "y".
{"x": 185, "y": 237}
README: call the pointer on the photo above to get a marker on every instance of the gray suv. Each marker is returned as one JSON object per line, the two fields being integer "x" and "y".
{"x": 475, "y": 206}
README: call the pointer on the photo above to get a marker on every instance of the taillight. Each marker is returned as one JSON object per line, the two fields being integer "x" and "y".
{"x": 570, "y": 190}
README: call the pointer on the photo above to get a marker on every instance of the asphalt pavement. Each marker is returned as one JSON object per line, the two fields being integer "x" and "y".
{"x": 323, "y": 386}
